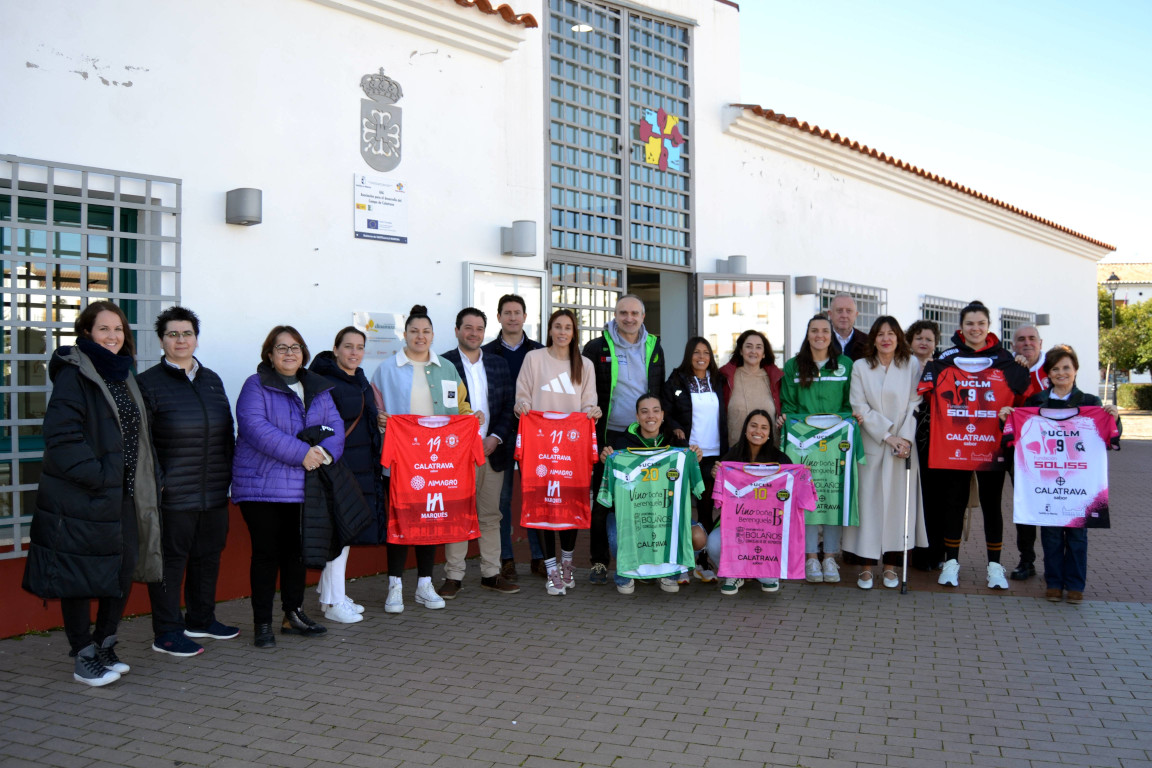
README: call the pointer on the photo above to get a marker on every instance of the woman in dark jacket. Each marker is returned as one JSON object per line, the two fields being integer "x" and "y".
{"x": 276, "y": 403}
{"x": 362, "y": 448}
{"x": 1065, "y": 549}
{"x": 194, "y": 436}
{"x": 96, "y": 526}
{"x": 697, "y": 411}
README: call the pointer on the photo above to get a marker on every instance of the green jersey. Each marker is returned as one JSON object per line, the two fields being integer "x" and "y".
{"x": 651, "y": 491}
{"x": 830, "y": 446}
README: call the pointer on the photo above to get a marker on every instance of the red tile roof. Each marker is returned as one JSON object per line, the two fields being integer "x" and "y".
{"x": 504, "y": 10}
{"x": 863, "y": 149}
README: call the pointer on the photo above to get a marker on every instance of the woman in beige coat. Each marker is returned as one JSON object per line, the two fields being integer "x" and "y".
{"x": 883, "y": 398}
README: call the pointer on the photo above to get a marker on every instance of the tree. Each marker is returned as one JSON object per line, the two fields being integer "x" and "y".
{"x": 1128, "y": 347}
{"x": 1104, "y": 308}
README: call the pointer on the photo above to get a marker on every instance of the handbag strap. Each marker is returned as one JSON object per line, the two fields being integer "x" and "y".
{"x": 358, "y": 417}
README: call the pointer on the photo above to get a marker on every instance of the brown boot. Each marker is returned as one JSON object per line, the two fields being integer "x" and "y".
{"x": 1054, "y": 595}
{"x": 539, "y": 569}
{"x": 508, "y": 570}
{"x": 1075, "y": 598}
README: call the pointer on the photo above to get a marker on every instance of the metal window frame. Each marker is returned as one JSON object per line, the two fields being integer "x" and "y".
{"x": 941, "y": 307}
{"x": 865, "y": 295}
{"x": 158, "y": 255}
{"x": 583, "y": 310}
{"x": 627, "y": 16}
{"x": 1010, "y": 320}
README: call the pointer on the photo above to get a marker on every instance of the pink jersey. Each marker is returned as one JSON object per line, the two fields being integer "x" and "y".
{"x": 1061, "y": 465}
{"x": 762, "y": 519}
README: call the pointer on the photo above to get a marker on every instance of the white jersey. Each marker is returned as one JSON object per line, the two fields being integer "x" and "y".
{"x": 1061, "y": 466}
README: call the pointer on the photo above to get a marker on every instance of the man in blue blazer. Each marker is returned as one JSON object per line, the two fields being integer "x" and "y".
{"x": 491, "y": 392}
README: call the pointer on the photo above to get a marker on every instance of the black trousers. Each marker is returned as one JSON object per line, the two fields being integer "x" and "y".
{"x": 192, "y": 543}
{"x": 1026, "y": 543}
{"x": 953, "y": 485}
{"x": 567, "y": 539}
{"x": 275, "y": 532}
{"x": 598, "y": 549}
{"x": 398, "y": 558}
{"x": 77, "y": 611}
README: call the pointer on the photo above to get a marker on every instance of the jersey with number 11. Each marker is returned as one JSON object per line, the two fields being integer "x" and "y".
{"x": 556, "y": 452}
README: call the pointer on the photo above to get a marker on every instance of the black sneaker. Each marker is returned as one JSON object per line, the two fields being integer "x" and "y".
{"x": 106, "y": 653}
{"x": 264, "y": 637}
{"x": 296, "y": 622}
{"x": 90, "y": 671}
{"x": 215, "y": 630}
{"x": 175, "y": 644}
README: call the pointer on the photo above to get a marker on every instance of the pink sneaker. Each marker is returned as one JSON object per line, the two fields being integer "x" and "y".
{"x": 553, "y": 583}
{"x": 567, "y": 574}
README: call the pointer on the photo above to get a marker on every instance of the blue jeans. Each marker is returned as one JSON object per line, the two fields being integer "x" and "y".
{"x": 506, "y": 522}
{"x": 831, "y": 538}
{"x": 1065, "y": 557}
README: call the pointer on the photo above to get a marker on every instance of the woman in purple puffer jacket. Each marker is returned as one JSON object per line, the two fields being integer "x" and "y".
{"x": 275, "y": 404}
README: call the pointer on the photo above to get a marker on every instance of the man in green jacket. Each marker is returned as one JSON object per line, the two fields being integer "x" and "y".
{"x": 629, "y": 363}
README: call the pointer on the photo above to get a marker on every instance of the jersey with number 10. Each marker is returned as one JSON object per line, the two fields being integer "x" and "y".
{"x": 652, "y": 491}
{"x": 432, "y": 492}
{"x": 556, "y": 452}
{"x": 1061, "y": 465}
{"x": 762, "y": 510}
{"x": 830, "y": 446}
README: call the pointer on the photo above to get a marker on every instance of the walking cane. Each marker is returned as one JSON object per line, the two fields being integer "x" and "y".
{"x": 907, "y": 503}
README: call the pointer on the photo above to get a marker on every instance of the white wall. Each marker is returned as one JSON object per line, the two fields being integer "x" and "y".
{"x": 265, "y": 93}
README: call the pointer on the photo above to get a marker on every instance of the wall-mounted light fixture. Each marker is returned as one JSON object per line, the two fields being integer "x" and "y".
{"x": 738, "y": 265}
{"x": 1043, "y": 319}
{"x": 721, "y": 265}
{"x": 244, "y": 206}
{"x": 518, "y": 239}
{"x": 807, "y": 285}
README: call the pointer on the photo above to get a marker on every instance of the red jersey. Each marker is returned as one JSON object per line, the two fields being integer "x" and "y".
{"x": 1037, "y": 383}
{"x": 432, "y": 494}
{"x": 967, "y": 394}
{"x": 556, "y": 452}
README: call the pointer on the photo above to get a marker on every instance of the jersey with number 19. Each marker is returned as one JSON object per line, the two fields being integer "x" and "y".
{"x": 432, "y": 492}
{"x": 556, "y": 452}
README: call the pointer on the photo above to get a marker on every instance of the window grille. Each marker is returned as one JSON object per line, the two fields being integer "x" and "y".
{"x": 70, "y": 234}
{"x": 590, "y": 292}
{"x": 1010, "y": 321}
{"x": 871, "y": 302}
{"x": 946, "y": 314}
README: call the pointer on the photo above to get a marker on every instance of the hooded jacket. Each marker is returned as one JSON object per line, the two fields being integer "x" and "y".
{"x": 268, "y": 465}
{"x": 76, "y": 539}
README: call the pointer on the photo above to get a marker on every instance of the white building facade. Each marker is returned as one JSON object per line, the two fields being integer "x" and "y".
{"x": 608, "y": 126}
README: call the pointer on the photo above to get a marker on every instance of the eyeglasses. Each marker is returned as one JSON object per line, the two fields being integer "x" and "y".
{"x": 180, "y": 335}
{"x": 283, "y": 349}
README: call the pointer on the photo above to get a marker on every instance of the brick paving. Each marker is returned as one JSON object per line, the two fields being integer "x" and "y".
{"x": 813, "y": 676}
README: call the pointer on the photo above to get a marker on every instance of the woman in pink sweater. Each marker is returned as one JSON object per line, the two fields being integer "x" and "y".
{"x": 558, "y": 378}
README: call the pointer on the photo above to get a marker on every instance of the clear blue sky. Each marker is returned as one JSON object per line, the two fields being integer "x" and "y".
{"x": 1045, "y": 105}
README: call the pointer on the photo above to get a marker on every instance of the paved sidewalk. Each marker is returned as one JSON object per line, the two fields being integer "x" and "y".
{"x": 812, "y": 676}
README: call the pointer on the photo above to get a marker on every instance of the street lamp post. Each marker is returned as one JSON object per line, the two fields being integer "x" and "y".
{"x": 1112, "y": 283}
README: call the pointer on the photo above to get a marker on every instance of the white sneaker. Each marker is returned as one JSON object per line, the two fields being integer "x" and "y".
{"x": 730, "y": 586}
{"x": 627, "y": 588}
{"x": 996, "y": 578}
{"x": 395, "y": 601}
{"x": 704, "y": 575}
{"x": 354, "y": 606}
{"x": 950, "y": 573}
{"x": 770, "y": 585}
{"x": 342, "y": 614}
{"x": 812, "y": 572}
{"x": 831, "y": 571}
{"x": 554, "y": 582}
{"x": 669, "y": 585}
{"x": 567, "y": 574}
{"x": 427, "y": 597}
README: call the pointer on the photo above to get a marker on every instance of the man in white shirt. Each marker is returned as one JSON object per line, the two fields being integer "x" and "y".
{"x": 842, "y": 312}
{"x": 491, "y": 392}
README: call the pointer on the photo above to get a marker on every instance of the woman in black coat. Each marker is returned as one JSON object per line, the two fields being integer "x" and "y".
{"x": 194, "y": 436}
{"x": 695, "y": 404}
{"x": 96, "y": 526}
{"x": 362, "y": 448}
